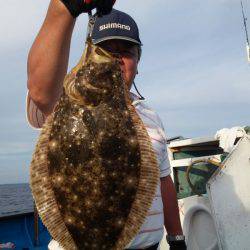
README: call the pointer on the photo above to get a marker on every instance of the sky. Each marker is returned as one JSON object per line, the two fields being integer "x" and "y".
{"x": 193, "y": 72}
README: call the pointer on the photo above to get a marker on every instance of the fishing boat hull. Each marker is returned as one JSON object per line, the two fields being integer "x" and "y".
{"x": 20, "y": 230}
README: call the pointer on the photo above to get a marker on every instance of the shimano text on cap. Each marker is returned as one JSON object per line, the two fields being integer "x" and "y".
{"x": 115, "y": 25}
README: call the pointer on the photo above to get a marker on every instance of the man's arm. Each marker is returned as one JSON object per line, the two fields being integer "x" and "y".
{"x": 170, "y": 207}
{"x": 48, "y": 57}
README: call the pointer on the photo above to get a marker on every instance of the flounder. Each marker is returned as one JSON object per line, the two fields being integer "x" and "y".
{"x": 94, "y": 172}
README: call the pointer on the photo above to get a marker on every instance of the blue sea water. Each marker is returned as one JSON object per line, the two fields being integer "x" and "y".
{"x": 15, "y": 199}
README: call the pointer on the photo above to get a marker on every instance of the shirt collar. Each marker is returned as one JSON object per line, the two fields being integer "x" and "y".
{"x": 135, "y": 98}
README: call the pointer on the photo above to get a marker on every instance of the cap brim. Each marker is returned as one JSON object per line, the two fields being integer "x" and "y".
{"x": 96, "y": 41}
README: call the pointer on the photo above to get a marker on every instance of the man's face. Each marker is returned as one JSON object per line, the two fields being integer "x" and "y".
{"x": 129, "y": 57}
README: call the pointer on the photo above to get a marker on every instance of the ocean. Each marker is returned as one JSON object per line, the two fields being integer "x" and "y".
{"x": 15, "y": 199}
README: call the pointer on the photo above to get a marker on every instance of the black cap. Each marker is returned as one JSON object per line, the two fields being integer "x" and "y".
{"x": 115, "y": 25}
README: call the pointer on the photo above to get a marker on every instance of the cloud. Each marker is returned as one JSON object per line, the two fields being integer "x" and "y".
{"x": 14, "y": 170}
{"x": 193, "y": 69}
{"x": 12, "y": 148}
{"x": 20, "y": 20}
{"x": 222, "y": 83}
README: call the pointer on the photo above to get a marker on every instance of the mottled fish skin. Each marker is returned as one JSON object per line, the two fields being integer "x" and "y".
{"x": 96, "y": 146}
{"x": 93, "y": 157}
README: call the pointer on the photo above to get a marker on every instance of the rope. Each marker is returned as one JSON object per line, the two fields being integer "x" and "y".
{"x": 141, "y": 97}
{"x": 217, "y": 164}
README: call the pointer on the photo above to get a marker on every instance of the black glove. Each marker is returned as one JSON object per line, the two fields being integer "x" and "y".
{"x": 104, "y": 6}
{"x": 177, "y": 245}
{"x": 76, "y": 7}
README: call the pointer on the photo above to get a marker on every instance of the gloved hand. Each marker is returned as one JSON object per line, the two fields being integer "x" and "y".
{"x": 76, "y": 7}
{"x": 104, "y": 6}
{"x": 177, "y": 245}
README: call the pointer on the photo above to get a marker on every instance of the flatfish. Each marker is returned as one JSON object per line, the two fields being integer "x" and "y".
{"x": 94, "y": 173}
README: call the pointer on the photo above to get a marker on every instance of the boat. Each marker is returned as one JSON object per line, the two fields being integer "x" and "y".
{"x": 25, "y": 231}
{"x": 212, "y": 190}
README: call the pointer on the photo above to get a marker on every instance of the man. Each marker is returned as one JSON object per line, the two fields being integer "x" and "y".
{"x": 118, "y": 33}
